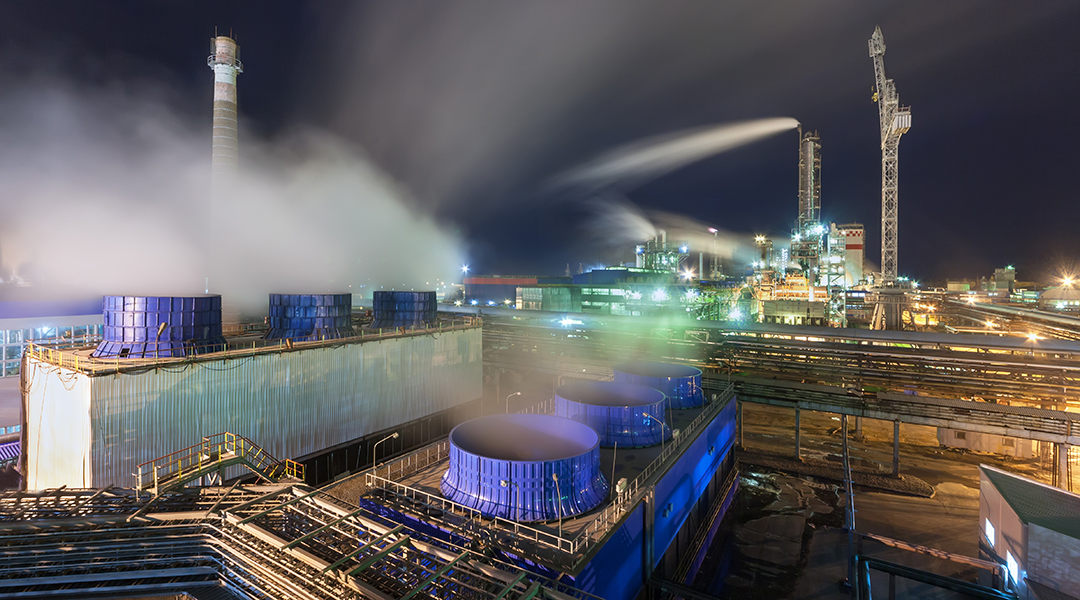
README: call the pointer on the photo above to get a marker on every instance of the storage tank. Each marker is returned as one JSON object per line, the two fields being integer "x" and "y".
{"x": 502, "y": 465}
{"x": 680, "y": 383}
{"x": 404, "y": 309}
{"x": 626, "y": 414}
{"x": 160, "y": 326}
{"x": 310, "y": 316}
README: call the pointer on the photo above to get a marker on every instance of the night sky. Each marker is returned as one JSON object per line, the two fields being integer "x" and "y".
{"x": 476, "y": 106}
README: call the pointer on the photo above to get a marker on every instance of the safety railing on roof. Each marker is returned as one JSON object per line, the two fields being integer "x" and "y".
{"x": 78, "y": 359}
{"x": 629, "y": 497}
{"x": 383, "y": 478}
{"x": 214, "y": 453}
{"x": 473, "y": 517}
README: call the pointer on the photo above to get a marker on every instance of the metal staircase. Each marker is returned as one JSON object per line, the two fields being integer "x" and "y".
{"x": 209, "y": 459}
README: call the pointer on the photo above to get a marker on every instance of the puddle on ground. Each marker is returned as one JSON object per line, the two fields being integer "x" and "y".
{"x": 762, "y": 545}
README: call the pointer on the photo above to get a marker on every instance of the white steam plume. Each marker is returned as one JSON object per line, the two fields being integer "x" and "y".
{"x": 644, "y": 160}
{"x": 619, "y": 223}
{"x": 106, "y": 191}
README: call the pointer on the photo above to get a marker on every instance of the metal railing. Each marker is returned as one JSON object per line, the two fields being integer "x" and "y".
{"x": 78, "y": 359}
{"x": 383, "y": 478}
{"x": 214, "y": 452}
{"x": 415, "y": 461}
{"x": 472, "y": 516}
{"x": 625, "y": 502}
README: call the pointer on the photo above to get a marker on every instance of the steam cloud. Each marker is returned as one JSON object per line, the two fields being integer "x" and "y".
{"x": 622, "y": 224}
{"x": 648, "y": 159}
{"x": 106, "y": 190}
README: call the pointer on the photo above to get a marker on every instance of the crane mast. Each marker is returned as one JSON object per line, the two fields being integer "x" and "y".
{"x": 895, "y": 120}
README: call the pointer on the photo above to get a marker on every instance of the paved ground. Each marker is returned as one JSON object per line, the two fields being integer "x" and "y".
{"x": 786, "y": 539}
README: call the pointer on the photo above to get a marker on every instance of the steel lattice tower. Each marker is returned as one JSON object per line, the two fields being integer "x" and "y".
{"x": 895, "y": 121}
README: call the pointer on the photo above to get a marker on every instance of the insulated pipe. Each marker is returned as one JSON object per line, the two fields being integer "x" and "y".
{"x": 225, "y": 61}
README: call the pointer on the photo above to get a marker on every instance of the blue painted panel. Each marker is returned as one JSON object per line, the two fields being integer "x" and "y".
{"x": 616, "y": 573}
{"x": 152, "y": 326}
{"x": 485, "y": 451}
{"x": 310, "y": 316}
{"x": 680, "y": 488}
{"x": 621, "y": 413}
{"x": 403, "y": 309}
{"x": 680, "y": 383}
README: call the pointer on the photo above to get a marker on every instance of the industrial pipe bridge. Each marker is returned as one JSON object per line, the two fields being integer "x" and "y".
{"x": 843, "y": 371}
{"x": 265, "y": 541}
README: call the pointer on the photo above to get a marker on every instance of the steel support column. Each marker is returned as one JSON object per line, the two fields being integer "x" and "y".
{"x": 739, "y": 421}
{"x": 798, "y": 436}
{"x": 896, "y": 449}
{"x": 1061, "y": 465}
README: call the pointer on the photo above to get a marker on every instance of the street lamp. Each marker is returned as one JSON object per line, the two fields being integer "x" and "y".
{"x": 559, "y": 500}
{"x": 508, "y": 401}
{"x": 662, "y": 426}
{"x": 389, "y": 437}
{"x": 508, "y": 483}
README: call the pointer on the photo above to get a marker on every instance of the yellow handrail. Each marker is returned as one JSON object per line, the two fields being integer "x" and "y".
{"x": 66, "y": 357}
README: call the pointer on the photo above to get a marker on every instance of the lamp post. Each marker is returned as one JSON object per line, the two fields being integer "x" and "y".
{"x": 508, "y": 401}
{"x": 389, "y": 437}
{"x": 508, "y": 483}
{"x": 559, "y": 500}
{"x": 662, "y": 426}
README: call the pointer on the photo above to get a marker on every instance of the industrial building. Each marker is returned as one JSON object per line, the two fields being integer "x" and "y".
{"x": 137, "y": 413}
{"x": 90, "y": 420}
{"x": 1033, "y": 529}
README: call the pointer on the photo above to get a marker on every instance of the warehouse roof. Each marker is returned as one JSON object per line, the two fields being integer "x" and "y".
{"x": 1037, "y": 503}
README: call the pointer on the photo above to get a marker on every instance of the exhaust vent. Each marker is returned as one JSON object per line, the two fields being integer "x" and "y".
{"x": 404, "y": 309}
{"x": 502, "y": 465}
{"x": 160, "y": 326}
{"x": 628, "y": 414}
{"x": 680, "y": 383}
{"x": 305, "y": 317}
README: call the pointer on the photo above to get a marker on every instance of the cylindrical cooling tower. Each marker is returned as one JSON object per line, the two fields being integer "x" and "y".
{"x": 502, "y": 465}
{"x": 626, "y": 414}
{"x": 680, "y": 383}
{"x": 224, "y": 59}
{"x": 310, "y": 316}
{"x": 404, "y": 309}
{"x": 160, "y": 326}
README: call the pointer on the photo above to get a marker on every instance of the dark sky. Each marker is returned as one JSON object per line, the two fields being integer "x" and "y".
{"x": 474, "y": 106}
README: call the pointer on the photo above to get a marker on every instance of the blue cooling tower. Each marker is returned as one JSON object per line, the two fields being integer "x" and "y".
{"x": 404, "y": 309}
{"x": 310, "y": 316}
{"x": 502, "y": 465}
{"x": 626, "y": 414}
{"x": 160, "y": 326}
{"x": 681, "y": 384}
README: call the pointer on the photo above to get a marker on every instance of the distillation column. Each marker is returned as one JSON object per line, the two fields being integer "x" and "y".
{"x": 225, "y": 61}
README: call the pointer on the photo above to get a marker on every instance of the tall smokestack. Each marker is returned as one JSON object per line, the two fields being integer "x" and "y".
{"x": 809, "y": 181}
{"x": 225, "y": 61}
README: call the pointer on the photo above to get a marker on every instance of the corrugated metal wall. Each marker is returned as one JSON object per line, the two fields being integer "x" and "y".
{"x": 57, "y": 426}
{"x": 291, "y": 403}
